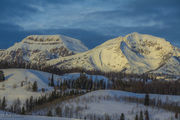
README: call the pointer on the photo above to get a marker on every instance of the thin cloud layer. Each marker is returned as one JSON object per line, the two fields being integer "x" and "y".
{"x": 105, "y": 18}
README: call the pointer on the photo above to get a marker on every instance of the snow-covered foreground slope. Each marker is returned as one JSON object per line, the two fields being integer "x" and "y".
{"x": 119, "y": 93}
{"x": 11, "y": 88}
{"x": 40, "y": 48}
{"x": 30, "y": 117}
{"x": 103, "y": 103}
{"x": 12, "y": 116}
{"x": 134, "y": 53}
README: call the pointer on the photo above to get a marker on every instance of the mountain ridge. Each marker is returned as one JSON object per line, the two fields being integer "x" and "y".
{"x": 134, "y": 53}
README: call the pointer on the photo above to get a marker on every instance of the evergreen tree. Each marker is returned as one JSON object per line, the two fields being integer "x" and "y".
{"x": 23, "y": 110}
{"x": 141, "y": 116}
{"x": 58, "y": 84}
{"x": 35, "y": 86}
{"x": 2, "y": 78}
{"x": 107, "y": 117}
{"x": 59, "y": 112}
{"x": 31, "y": 104}
{"x": 0, "y": 103}
{"x": 27, "y": 104}
{"x": 122, "y": 116}
{"x": 4, "y": 103}
{"x": 146, "y": 115}
{"x": 136, "y": 118}
{"x": 52, "y": 80}
{"x": 176, "y": 115}
{"x": 146, "y": 100}
{"x": 17, "y": 105}
{"x": 49, "y": 113}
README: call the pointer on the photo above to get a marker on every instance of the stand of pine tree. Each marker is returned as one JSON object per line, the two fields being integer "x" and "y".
{"x": 167, "y": 87}
{"x": 33, "y": 103}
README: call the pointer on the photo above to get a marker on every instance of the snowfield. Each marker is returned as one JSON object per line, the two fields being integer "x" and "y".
{"x": 100, "y": 103}
{"x": 105, "y": 102}
{"x": 11, "y": 87}
{"x": 12, "y": 116}
{"x": 30, "y": 117}
{"x": 119, "y": 93}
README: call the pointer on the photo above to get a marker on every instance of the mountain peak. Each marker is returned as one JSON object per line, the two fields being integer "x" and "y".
{"x": 147, "y": 41}
{"x": 133, "y": 53}
{"x": 36, "y": 48}
{"x": 47, "y": 42}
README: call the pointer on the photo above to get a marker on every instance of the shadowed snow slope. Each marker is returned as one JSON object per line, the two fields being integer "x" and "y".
{"x": 12, "y": 87}
{"x": 110, "y": 102}
{"x": 134, "y": 53}
{"x": 11, "y": 116}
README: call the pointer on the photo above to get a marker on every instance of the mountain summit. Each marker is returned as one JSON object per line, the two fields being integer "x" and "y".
{"x": 41, "y": 48}
{"x": 133, "y": 53}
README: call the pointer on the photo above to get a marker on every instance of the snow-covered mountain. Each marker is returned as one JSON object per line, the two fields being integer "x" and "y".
{"x": 40, "y": 48}
{"x": 133, "y": 53}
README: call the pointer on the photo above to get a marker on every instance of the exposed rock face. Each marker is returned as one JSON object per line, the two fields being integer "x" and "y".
{"x": 41, "y": 48}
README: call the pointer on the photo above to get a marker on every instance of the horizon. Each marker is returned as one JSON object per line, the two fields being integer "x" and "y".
{"x": 84, "y": 44}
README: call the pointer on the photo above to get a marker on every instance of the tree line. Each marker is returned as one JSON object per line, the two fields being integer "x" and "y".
{"x": 60, "y": 71}
{"x": 82, "y": 83}
{"x": 144, "y": 85}
{"x": 155, "y": 86}
{"x": 31, "y": 103}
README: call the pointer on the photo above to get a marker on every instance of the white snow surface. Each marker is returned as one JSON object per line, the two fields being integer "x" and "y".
{"x": 12, "y": 116}
{"x": 133, "y": 53}
{"x": 117, "y": 93}
{"x": 11, "y": 87}
{"x": 103, "y": 102}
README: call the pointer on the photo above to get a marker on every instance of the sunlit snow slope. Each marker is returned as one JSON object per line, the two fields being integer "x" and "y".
{"x": 41, "y": 48}
{"x": 134, "y": 53}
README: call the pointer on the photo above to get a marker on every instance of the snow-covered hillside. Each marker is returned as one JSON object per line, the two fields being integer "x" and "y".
{"x": 11, "y": 116}
{"x": 134, "y": 53}
{"x": 103, "y": 103}
{"x": 12, "y": 87}
{"x": 40, "y": 48}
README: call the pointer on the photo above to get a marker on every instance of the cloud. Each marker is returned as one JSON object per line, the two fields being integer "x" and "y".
{"x": 101, "y": 17}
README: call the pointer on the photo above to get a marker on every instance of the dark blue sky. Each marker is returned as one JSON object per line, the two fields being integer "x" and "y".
{"x": 91, "y": 21}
